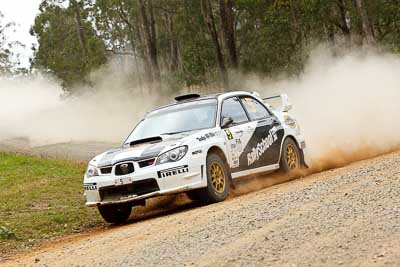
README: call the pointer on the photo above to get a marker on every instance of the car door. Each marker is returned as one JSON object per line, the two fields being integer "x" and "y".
{"x": 238, "y": 133}
{"x": 263, "y": 148}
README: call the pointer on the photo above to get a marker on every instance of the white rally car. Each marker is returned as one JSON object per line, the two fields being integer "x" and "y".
{"x": 196, "y": 145}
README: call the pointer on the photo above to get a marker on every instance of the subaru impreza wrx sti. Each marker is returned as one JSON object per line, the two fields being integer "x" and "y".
{"x": 197, "y": 145}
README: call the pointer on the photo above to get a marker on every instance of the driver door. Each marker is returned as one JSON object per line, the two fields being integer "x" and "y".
{"x": 238, "y": 133}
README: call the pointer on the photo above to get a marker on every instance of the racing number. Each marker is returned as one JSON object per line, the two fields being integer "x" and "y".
{"x": 229, "y": 134}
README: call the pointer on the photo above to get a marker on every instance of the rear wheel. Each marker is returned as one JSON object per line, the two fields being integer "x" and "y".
{"x": 118, "y": 213}
{"x": 290, "y": 156}
{"x": 218, "y": 182}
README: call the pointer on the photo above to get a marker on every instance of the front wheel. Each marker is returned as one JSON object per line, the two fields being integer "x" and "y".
{"x": 117, "y": 214}
{"x": 218, "y": 182}
{"x": 290, "y": 156}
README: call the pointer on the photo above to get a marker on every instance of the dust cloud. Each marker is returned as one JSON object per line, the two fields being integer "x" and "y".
{"x": 37, "y": 109}
{"x": 348, "y": 107}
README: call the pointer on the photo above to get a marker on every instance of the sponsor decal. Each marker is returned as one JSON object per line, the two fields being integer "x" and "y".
{"x": 236, "y": 150}
{"x": 229, "y": 134}
{"x": 90, "y": 186}
{"x": 239, "y": 145}
{"x": 206, "y": 136}
{"x": 197, "y": 152}
{"x": 235, "y": 159}
{"x": 173, "y": 171}
{"x": 262, "y": 146}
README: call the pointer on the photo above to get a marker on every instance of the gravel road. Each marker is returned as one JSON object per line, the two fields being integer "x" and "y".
{"x": 348, "y": 216}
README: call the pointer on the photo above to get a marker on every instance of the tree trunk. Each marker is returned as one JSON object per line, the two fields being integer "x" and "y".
{"x": 80, "y": 32}
{"x": 345, "y": 25}
{"x": 210, "y": 22}
{"x": 365, "y": 23}
{"x": 173, "y": 44}
{"x": 228, "y": 29}
{"x": 131, "y": 29}
{"x": 150, "y": 38}
{"x": 143, "y": 53}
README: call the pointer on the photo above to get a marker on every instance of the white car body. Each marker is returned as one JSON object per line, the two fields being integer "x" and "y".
{"x": 240, "y": 145}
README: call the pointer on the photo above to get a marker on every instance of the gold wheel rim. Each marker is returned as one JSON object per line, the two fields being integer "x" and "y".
{"x": 217, "y": 177}
{"x": 292, "y": 158}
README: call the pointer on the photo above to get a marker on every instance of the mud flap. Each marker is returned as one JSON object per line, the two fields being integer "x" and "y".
{"x": 303, "y": 161}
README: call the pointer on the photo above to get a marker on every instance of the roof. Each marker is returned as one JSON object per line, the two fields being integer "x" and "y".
{"x": 218, "y": 96}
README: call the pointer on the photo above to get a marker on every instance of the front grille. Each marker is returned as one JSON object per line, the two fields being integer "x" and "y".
{"x": 124, "y": 168}
{"x": 106, "y": 170}
{"x": 137, "y": 188}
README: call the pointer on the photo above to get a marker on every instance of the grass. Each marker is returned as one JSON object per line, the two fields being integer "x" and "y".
{"x": 40, "y": 199}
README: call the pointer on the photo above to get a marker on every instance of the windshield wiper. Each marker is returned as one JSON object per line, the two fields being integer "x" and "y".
{"x": 174, "y": 132}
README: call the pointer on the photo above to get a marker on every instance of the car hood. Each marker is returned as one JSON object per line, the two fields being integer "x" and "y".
{"x": 137, "y": 152}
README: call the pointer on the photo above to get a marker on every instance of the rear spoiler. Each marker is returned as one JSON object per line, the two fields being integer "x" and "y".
{"x": 285, "y": 103}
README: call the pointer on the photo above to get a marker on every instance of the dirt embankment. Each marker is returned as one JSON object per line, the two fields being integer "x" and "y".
{"x": 347, "y": 216}
{"x": 76, "y": 151}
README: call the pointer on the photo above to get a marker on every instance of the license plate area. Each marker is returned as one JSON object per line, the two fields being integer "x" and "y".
{"x": 123, "y": 181}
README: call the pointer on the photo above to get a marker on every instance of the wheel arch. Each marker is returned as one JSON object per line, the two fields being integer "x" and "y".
{"x": 220, "y": 152}
{"x": 217, "y": 150}
{"x": 298, "y": 147}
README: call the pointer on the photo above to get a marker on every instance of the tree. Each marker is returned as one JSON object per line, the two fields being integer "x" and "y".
{"x": 68, "y": 45}
{"x": 228, "y": 29}
{"x": 208, "y": 15}
{"x": 367, "y": 28}
{"x": 149, "y": 29}
{"x": 178, "y": 43}
{"x": 8, "y": 59}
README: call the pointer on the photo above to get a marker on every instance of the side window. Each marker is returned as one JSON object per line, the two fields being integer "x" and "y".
{"x": 255, "y": 109}
{"x": 231, "y": 107}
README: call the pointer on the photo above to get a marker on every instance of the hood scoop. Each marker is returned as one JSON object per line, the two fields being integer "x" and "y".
{"x": 154, "y": 139}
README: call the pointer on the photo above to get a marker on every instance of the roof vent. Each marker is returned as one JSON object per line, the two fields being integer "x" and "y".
{"x": 186, "y": 97}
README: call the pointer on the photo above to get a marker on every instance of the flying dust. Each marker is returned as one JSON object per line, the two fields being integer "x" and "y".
{"x": 37, "y": 109}
{"x": 347, "y": 107}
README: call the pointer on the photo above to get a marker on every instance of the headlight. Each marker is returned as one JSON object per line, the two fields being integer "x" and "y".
{"x": 91, "y": 171}
{"x": 172, "y": 155}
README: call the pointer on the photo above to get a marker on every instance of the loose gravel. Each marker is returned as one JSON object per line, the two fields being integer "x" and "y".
{"x": 348, "y": 216}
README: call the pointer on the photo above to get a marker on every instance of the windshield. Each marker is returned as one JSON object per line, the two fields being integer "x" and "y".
{"x": 176, "y": 119}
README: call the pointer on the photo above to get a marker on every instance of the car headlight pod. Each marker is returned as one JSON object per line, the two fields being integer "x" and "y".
{"x": 173, "y": 155}
{"x": 91, "y": 171}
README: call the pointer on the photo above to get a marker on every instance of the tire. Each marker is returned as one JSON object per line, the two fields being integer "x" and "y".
{"x": 290, "y": 156}
{"x": 218, "y": 182}
{"x": 116, "y": 214}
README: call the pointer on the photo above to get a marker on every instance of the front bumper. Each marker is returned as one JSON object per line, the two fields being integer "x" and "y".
{"x": 144, "y": 183}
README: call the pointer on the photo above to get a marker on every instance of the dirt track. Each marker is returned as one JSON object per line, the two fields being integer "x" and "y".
{"x": 347, "y": 216}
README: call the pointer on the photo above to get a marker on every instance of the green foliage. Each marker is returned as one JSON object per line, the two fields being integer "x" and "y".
{"x": 6, "y": 234}
{"x": 60, "y": 51}
{"x": 270, "y": 36}
{"x": 8, "y": 60}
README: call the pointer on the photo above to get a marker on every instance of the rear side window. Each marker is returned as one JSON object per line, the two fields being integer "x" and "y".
{"x": 231, "y": 107}
{"x": 255, "y": 109}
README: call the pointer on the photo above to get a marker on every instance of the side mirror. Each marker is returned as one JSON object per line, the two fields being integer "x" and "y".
{"x": 226, "y": 122}
{"x": 286, "y": 105}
